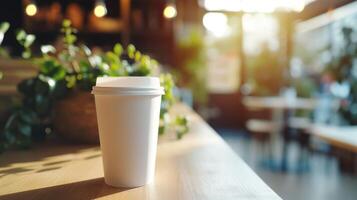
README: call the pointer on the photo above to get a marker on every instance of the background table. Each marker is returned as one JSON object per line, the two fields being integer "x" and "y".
{"x": 280, "y": 107}
{"x": 200, "y": 166}
{"x": 343, "y": 139}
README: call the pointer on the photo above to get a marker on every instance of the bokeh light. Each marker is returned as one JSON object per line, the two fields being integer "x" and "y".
{"x": 31, "y": 9}
{"x": 170, "y": 11}
{"x": 100, "y": 10}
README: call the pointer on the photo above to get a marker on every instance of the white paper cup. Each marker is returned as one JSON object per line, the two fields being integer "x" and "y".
{"x": 128, "y": 121}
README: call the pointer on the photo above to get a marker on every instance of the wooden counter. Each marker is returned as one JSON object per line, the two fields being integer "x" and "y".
{"x": 200, "y": 166}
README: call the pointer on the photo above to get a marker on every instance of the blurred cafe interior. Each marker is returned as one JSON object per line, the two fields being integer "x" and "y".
{"x": 276, "y": 79}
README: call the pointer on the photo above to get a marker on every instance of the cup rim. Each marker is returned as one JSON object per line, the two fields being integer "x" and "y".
{"x": 104, "y": 88}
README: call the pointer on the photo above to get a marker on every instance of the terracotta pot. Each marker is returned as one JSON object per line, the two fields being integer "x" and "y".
{"x": 75, "y": 118}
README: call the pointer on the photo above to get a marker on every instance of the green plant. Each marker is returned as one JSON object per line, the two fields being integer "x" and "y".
{"x": 304, "y": 86}
{"x": 192, "y": 63}
{"x": 265, "y": 72}
{"x": 71, "y": 69}
{"x": 4, "y": 27}
{"x": 180, "y": 123}
{"x": 344, "y": 69}
{"x": 26, "y": 41}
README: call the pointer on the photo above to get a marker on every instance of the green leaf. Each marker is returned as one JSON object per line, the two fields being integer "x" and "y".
{"x": 167, "y": 82}
{"x": 145, "y": 61}
{"x": 59, "y": 73}
{"x": 64, "y": 56}
{"x": 24, "y": 129}
{"x": 118, "y": 49}
{"x": 20, "y": 36}
{"x": 66, "y": 23}
{"x": 26, "y": 41}
{"x": 16, "y": 133}
{"x": 181, "y": 124}
{"x": 181, "y": 120}
{"x": 10, "y": 121}
{"x": 71, "y": 81}
{"x": 162, "y": 129}
{"x": 141, "y": 71}
{"x": 4, "y": 26}
{"x": 27, "y": 116}
{"x": 137, "y": 56}
{"x": 49, "y": 80}
{"x": 52, "y": 68}
{"x": 70, "y": 39}
{"x": 131, "y": 51}
{"x": 29, "y": 40}
{"x": 84, "y": 66}
{"x": 47, "y": 65}
{"x": 46, "y": 49}
{"x": 112, "y": 57}
{"x": 95, "y": 60}
{"x": 86, "y": 50}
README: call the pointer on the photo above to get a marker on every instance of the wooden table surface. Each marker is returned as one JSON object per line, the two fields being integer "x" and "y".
{"x": 200, "y": 166}
{"x": 344, "y": 137}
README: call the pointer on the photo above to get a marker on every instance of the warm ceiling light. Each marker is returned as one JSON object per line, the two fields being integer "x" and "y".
{"x": 170, "y": 11}
{"x": 31, "y": 9}
{"x": 100, "y": 10}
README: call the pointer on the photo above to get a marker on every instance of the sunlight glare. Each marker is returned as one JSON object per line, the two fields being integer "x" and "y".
{"x": 216, "y": 23}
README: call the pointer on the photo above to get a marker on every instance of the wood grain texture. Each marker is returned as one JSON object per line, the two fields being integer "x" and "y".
{"x": 200, "y": 166}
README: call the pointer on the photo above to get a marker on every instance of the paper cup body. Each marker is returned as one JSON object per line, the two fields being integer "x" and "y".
{"x": 128, "y": 122}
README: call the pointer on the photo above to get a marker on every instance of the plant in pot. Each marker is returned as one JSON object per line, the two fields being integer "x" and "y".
{"x": 59, "y": 96}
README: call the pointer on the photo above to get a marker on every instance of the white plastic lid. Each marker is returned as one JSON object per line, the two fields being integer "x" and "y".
{"x": 99, "y": 88}
{"x": 132, "y": 85}
{"x": 129, "y": 81}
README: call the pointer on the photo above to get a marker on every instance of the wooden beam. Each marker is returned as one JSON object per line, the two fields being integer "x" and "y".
{"x": 319, "y": 7}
